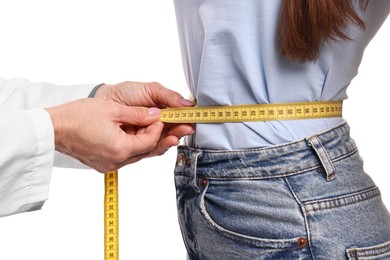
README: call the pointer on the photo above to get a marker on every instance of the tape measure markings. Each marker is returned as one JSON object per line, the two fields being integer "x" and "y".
{"x": 258, "y": 112}
{"x": 111, "y": 216}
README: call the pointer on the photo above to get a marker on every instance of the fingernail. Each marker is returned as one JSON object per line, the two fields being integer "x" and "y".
{"x": 153, "y": 111}
{"x": 186, "y": 102}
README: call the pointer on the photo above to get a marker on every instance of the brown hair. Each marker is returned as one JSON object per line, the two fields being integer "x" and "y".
{"x": 304, "y": 25}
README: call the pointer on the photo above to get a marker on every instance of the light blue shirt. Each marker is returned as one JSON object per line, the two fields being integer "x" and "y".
{"x": 230, "y": 57}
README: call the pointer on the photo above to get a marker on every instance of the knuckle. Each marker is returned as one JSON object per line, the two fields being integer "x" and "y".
{"x": 154, "y": 86}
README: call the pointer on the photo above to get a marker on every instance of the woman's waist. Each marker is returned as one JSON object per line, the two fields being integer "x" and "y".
{"x": 247, "y": 135}
{"x": 265, "y": 162}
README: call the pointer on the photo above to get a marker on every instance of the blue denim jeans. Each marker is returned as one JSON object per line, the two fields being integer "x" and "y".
{"x": 309, "y": 199}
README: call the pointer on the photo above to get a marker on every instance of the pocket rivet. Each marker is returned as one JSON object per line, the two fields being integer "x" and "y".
{"x": 181, "y": 159}
{"x": 302, "y": 242}
{"x": 204, "y": 182}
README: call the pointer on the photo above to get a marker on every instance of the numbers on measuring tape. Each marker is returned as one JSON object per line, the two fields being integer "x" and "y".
{"x": 260, "y": 112}
{"x": 111, "y": 218}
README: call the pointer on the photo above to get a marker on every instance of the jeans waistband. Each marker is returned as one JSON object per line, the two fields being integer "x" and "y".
{"x": 318, "y": 150}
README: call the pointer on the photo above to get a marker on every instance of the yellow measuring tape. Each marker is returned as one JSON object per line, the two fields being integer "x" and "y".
{"x": 111, "y": 217}
{"x": 258, "y": 112}
{"x": 210, "y": 114}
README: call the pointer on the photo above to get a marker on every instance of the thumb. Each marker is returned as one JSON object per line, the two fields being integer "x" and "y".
{"x": 146, "y": 141}
{"x": 139, "y": 116}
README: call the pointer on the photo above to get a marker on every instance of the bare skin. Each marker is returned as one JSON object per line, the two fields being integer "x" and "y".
{"x": 119, "y": 126}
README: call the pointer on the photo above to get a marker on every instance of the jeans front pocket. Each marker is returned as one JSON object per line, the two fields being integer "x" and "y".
{"x": 262, "y": 213}
{"x": 378, "y": 252}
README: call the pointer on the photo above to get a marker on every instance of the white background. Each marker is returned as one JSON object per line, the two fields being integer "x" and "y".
{"x": 85, "y": 41}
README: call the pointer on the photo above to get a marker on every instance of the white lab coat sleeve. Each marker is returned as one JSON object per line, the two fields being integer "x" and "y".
{"x": 27, "y": 141}
{"x": 26, "y": 160}
{"x": 21, "y": 94}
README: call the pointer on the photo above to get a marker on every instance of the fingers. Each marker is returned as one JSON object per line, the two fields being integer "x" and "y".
{"x": 164, "y": 97}
{"x": 171, "y": 137}
{"x": 139, "y": 132}
{"x": 142, "y": 94}
{"x": 146, "y": 136}
{"x": 131, "y": 149}
{"x": 138, "y": 116}
{"x": 165, "y": 144}
{"x": 106, "y": 135}
{"x": 179, "y": 130}
{"x": 146, "y": 141}
{"x": 134, "y": 159}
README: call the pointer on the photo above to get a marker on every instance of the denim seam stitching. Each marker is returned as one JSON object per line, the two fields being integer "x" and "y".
{"x": 234, "y": 235}
{"x": 304, "y": 215}
{"x": 326, "y": 162}
{"x": 337, "y": 202}
{"x": 367, "y": 251}
{"x": 281, "y": 175}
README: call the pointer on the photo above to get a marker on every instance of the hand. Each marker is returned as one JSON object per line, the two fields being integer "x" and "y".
{"x": 141, "y": 94}
{"x": 150, "y": 95}
{"x": 105, "y": 135}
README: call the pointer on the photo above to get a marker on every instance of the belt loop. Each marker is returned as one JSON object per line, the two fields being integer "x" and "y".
{"x": 323, "y": 156}
{"x": 193, "y": 163}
